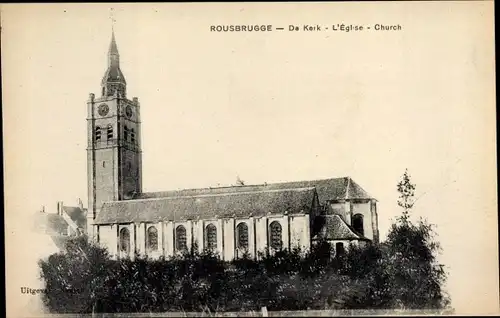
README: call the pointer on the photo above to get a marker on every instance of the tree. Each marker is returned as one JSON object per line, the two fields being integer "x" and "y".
{"x": 403, "y": 271}
{"x": 406, "y": 191}
{"x": 416, "y": 278}
{"x": 72, "y": 276}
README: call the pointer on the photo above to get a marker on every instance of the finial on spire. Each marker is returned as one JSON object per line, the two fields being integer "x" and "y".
{"x": 112, "y": 17}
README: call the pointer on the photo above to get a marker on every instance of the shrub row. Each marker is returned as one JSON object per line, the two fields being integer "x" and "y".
{"x": 401, "y": 273}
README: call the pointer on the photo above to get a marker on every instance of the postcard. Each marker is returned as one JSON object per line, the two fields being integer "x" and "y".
{"x": 250, "y": 159}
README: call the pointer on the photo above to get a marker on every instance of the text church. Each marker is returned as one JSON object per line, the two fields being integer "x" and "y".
{"x": 230, "y": 221}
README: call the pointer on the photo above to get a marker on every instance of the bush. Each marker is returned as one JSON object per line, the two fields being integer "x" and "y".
{"x": 191, "y": 282}
{"x": 85, "y": 279}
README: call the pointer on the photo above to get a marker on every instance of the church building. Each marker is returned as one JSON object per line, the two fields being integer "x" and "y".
{"x": 230, "y": 221}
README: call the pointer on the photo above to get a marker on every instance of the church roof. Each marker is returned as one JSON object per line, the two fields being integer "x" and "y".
{"x": 77, "y": 214}
{"x": 50, "y": 223}
{"x": 327, "y": 189}
{"x": 335, "y": 228}
{"x": 220, "y": 205}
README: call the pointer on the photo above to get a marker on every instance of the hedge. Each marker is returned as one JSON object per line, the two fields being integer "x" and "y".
{"x": 400, "y": 273}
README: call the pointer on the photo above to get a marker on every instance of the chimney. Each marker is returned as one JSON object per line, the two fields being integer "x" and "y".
{"x": 80, "y": 204}
{"x": 59, "y": 207}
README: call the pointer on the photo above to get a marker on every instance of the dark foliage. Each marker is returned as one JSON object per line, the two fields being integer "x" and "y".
{"x": 403, "y": 272}
{"x": 85, "y": 279}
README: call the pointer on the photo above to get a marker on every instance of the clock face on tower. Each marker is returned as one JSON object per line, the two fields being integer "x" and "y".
{"x": 103, "y": 109}
{"x": 128, "y": 111}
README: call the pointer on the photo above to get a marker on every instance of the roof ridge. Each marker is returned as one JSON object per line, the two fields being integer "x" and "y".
{"x": 302, "y": 189}
{"x": 212, "y": 188}
{"x": 73, "y": 207}
{"x": 244, "y": 186}
{"x": 312, "y": 180}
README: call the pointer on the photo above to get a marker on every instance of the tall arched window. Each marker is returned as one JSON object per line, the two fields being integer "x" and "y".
{"x": 242, "y": 235}
{"x": 152, "y": 239}
{"x": 132, "y": 135}
{"x": 110, "y": 132}
{"x": 275, "y": 235}
{"x": 98, "y": 133}
{"x": 125, "y": 241}
{"x": 180, "y": 238}
{"x": 357, "y": 223}
{"x": 211, "y": 237}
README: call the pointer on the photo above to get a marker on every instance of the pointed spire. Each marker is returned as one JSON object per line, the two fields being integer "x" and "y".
{"x": 113, "y": 49}
{"x": 113, "y": 55}
{"x": 113, "y": 74}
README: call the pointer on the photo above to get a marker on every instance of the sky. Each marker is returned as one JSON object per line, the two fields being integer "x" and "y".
{"x": 268, "y": 107}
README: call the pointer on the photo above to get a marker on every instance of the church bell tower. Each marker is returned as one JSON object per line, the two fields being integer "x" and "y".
{"x": 114, "y": 162}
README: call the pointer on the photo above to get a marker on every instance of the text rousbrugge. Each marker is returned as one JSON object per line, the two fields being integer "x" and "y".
{"x": 340, "y": 27}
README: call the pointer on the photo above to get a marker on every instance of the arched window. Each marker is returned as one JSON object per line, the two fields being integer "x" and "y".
{"x": 125, "y": 133}
{"x": 103, "y": 91}
{"x": 211, "y": 237}
{"x": 180, "y": 238}
{"x": 152, "y": 239}
{"x": 242, "y": 235}
{"x": 98, "y": 133}
{"x": 275, "y": 235}
{"x": 124, "y": 240}
{"x": 132, "y": 135}
{"x": 339, "y": 249}
{"x": 110, "y": 132}
{"x": 357, "y": 223}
